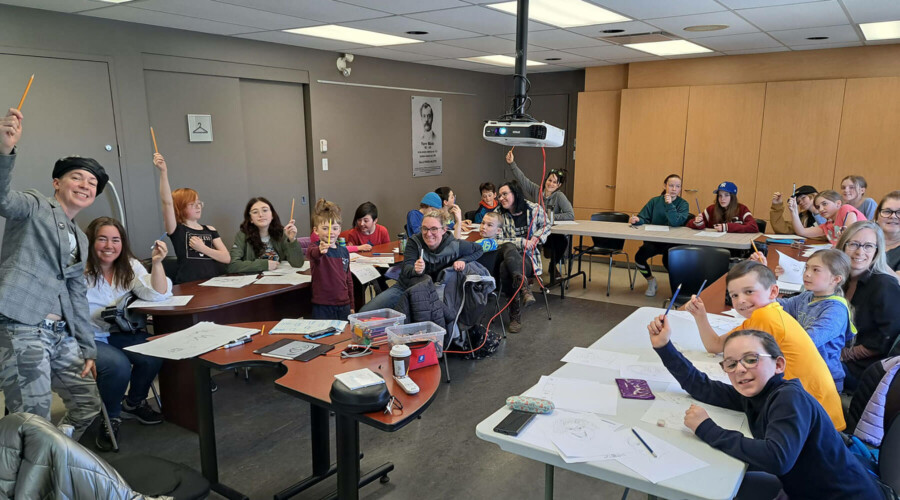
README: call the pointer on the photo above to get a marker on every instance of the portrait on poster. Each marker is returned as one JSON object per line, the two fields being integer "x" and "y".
{"x": 426, "y": 136}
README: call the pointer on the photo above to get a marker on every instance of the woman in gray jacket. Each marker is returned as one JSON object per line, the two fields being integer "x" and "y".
{"x": 262, "y": 241}
{"x": 554, "y": 202}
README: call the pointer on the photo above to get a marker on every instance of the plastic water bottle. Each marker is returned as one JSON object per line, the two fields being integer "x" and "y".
{"x": 342, "y": 242}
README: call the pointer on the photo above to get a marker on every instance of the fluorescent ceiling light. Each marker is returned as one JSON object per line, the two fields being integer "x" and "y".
{"x": 670, "y": 48}
{"x": 352, "y": 35}
{"x": 506, "y": 61}
{"x": 881, "y": 31}
{"x": 564, "y": 13}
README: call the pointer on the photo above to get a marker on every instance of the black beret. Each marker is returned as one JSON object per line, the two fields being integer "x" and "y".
{"x": 67, "y": 164}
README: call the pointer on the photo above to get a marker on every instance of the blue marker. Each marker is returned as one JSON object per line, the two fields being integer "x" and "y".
{"x": 675, "y": 296}
{"x": 154, "y": 243}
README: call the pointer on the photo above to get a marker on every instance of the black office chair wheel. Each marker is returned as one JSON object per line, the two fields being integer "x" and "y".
{"x": 384, "y": 479}
{"x": 155, "y": 476}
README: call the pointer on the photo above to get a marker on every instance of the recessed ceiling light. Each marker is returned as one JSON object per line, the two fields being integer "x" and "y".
{"x": 881, "y": 31}
{"x": 352, "y": 35}
{"x": 706, "y": 27}
{"x": 670, "y": 48}
{"x": 817, "y": 38}
{"x": 614, "y": 30}
{"x": 506, "y": 61}
{"x": 553, "y": 59}
{"x": 564, "y": 13}
{"x": 416, "y": 32}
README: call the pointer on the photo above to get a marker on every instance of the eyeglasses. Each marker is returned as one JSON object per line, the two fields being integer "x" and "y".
{"x": 432, "y": 230}
{"x": 748, "y": 360}
{"x": 196, "y": 204}
{"x": 257, "y": 211}
{"x": 504, "y": 195}
{"x": 887, "y": 213}
{"x": 855, "y": 245}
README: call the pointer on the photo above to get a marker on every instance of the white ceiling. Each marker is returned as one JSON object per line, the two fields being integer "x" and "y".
{"x": 466, "y": 28}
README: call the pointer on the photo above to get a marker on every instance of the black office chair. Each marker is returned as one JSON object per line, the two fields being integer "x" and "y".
{"x": 607, "y": 247}
{"x": 761, "y": 224}
{"x": 690, "y": 265}
{"x": 491, "y": 263}
{"x": 157, "y": 477}
{"x": 889, "y": 455}
{"x": 470, "y": 215}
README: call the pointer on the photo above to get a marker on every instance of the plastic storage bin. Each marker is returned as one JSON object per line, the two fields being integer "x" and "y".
{"x": 417, "y": 332}
{"x": 369, "y": 327}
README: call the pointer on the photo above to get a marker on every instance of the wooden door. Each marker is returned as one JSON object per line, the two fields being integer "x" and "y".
{"x": 596, "y": 151}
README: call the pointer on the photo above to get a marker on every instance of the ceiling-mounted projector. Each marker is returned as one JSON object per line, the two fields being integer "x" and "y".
{"x": 525, "y": 133}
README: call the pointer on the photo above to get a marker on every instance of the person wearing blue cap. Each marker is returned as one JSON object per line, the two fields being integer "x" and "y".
{"x": 46, "y": 337}
{"x": 414, "y": 217}
{"x": 726, "y": 214}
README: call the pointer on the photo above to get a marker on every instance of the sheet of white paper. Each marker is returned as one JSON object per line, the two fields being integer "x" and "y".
{"x": 396, "y": 249}
{"x": 287, "y": 279}
{"x": 648, "y": 371}
{"x": 576, "y": 394}
{"x": 819, "y": 246}
{"x": 303, "y": 326}
{"x": 653, "y": 227}
{"x": 565, "y": 223}
{"x": 668, "y": 463}
{"x": 793, "y": 268}
{"x": 784, "y": 236}
{"x": 724, "y": 324}
{"x": 710, "y": 234}
{"x": 583, "y": 437}
{"x": 364, "y": 272}
{"x": 285, "y": 267}
{"x": 358, "y": 379}
{"x": 354, "y": 256}
{"x": 784, "y": 286}
{"x": 733, "y": 313}
{"x": 173, "y": 301}
{"x": 230, "y": 281}
{"x": 384, "y": 261}
{"x": 194, "y": 341}
{"x": 598, "y": 358}
{"x": 670, "y": 406}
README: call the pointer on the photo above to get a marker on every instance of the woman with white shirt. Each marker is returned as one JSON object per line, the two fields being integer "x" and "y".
{"x": 113, "y": 273}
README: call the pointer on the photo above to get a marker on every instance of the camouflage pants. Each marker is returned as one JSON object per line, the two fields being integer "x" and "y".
{"x": 34, "y": 360}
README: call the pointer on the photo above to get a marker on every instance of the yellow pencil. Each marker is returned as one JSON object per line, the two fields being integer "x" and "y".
{"x": 292, "y": 208}
{"x": 153, "y": 135}
{"x": 329, "y": 231}
{"x": 755, "y": 250}
{"x": 263, "y": 332}
{"x": 25, "y": 94}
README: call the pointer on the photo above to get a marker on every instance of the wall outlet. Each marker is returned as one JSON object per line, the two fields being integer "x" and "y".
{"x": 303, "y": 200}
{"x": 324, "y": 164}
{"x": 323, "y": 146}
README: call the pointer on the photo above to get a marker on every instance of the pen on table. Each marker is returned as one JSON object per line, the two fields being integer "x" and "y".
{"x": 240, "y": 341}
{"x": 376, "y": 254}
{"x": 154, "y": 243}
{"x": 645, "y": 444}
{"x": 702, "y": 286}
{"x": 674, "y": 296}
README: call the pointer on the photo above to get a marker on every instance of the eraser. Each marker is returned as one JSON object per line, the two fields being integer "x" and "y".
{"x": 529, "y": 404}
{"x": 660, "y": 423}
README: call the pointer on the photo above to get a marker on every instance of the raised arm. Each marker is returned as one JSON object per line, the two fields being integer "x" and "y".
{"x": 799, "y": 230}
{"x": 528, "y": 187}
{"x": 13, "y": 204}
{"x": 712, "y": 341}
{"x": 158, "y": 280}
{"x": 165, "y": 194}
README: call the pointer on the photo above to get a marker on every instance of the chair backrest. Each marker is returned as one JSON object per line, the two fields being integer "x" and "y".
{"x": 689, "y": 265}
{"x": 892, "y": 401}
{"x": 761, "y": 224}
{"x": 304, "y": 242}
{"x": 170, "y": 266}
{"x": 889, "y": 455}
{"x": 470, "y": 215}
{"x": 609, "y": 243}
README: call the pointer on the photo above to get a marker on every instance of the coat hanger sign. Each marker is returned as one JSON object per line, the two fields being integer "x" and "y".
{"x": 199, "y": 128}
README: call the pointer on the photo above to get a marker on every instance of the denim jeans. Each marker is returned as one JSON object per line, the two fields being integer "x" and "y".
{"x": 117, "y": 367}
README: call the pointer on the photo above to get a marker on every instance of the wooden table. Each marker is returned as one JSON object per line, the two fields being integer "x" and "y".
{"x": 311, "y": 381}
{"x": 222, "y": 306}
{"x": 620, "y": 230}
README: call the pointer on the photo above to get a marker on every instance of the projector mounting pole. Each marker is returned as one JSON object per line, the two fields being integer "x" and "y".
{"x": 521, "y": 57}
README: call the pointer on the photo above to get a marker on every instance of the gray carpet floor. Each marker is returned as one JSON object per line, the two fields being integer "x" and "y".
{"x": 263, "y": 434}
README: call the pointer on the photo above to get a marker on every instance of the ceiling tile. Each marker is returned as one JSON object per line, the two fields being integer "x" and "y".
{"x": 750, "y": 4}
{"x": 676, "y": 25}
{"x": 644, "y": 58}
{"x": 133, "y": 15}
{"x": 57, "y": 5}
{"x": 870, "y": 11}
{"x": 311, "y": 42}
{"x": 559, "y": 39}
{"x": 757, "y": 51}
{"x": 823, "y": 46}
{"x": 326, "y": 11}
{"x": 489, "y": 44}
{"x": 469, "y": 65}
{"x": 399, "y": 25}
{"x": 835, "y": 34}
{"x": 396, "y": 55}
{"x": 629, "y": 28}
{"x": 565, "y": 57}
{"x": 482, "y": 20}
{"x": 407, "y": 6}
{"x": 607, "y": 52}
{"x": 216, "y": 11}
{"x": 646, "y": 9}
{"x": 740, "y": 42}
{"x": 439, "y": 50}
{"x": 796, "y": 16}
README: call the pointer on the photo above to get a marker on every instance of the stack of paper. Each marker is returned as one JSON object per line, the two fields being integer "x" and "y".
{"x": 230, "y": 281}
{"x": 653, "y": 227}
{"x": 286, "y": 268}
{"x": 173, "y": 301}
{"x": 364, "y": 272}
{"x": 576, "y": 395}
{"x": 303, "y": 326}
{"x": 194, "y": 341}
{"x": 285, "y": 279}
{"x": 358, "y": 379}
{"x": 375, "y": 261}
{"x": 711, "y": 234}
{"x": 598, "y": 358}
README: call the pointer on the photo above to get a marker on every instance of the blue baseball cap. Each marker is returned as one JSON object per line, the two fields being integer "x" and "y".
{"x": 728, "y": 187}
{"x": 432, "y": 200}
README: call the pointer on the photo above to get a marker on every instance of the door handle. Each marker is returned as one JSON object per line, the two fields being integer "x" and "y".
{"x": 612, "y": 186}
{"x": 691, "y": 190}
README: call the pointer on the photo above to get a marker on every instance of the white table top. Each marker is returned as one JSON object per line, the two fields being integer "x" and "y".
{"x": 679, "y": 235}
{"x": 719, "y": 480}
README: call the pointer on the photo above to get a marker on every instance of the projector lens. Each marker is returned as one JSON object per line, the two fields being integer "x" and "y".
{"x": 502, "y": 130}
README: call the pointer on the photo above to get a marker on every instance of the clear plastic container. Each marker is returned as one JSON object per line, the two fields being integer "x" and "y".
{"x": 416, "y": 332}
{"x": 369, "y": 327}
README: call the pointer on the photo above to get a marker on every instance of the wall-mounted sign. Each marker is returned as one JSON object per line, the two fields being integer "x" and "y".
{"x": 200, "y": 128}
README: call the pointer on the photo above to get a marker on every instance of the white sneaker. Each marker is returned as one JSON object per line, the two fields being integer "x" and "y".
{"x": 651, "y": 287}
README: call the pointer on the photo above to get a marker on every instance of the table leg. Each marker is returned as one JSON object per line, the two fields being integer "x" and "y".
{"x": 347, "y": 431}
{"x": 207, "y": 432}
{"x": 548, "y": 482}
{"x": 321, "y": 453}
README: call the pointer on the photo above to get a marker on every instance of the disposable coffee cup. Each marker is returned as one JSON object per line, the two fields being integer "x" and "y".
{"x": 400, "y": 355}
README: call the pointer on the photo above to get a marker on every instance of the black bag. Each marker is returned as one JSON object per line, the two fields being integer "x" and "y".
{"x": 362, "y": 400}
{"x": 122, "y": 319}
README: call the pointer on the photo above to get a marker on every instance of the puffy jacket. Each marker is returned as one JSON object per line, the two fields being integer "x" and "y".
{"x": 872, "y": 392}
{"x": 448, "y": 251}
{"x": 467, "y": 304}
{"x": 420, "y": 302}
{"x": 39, "y": 461}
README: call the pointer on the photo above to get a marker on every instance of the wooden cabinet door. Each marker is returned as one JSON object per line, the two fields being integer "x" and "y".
{"x": 799, "y": 137}
{"x": 596, "y": 146}
{"x": 724, "y": 124}
{"x": 868, "y": 144}
{"x": 652, "y": 126}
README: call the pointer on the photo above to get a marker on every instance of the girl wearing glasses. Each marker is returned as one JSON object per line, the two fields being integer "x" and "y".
{"x": 555, "y": 203}
{"x": 795, "y": 451}
{"x": 889, "y": 219}
{"x": 872, "y": 290}
{"x": 200, "y": 251}
{"x": 262, "y": 241}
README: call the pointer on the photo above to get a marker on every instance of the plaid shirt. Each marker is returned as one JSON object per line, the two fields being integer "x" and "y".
{"x": 537, "y": 227}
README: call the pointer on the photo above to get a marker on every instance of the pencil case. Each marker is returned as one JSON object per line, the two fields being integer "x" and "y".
{"x": 529, "y": 404}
